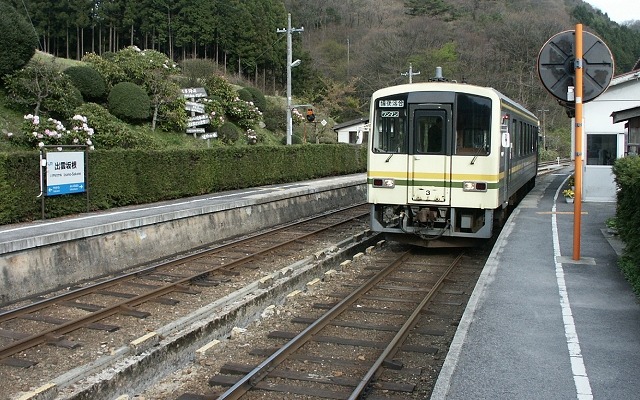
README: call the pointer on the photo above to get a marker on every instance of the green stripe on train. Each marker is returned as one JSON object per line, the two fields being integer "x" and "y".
{"x": 454, "y": 185}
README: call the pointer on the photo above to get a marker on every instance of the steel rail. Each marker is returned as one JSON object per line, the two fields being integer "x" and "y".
{"x": 401, "y": 335}
{"x": 123, "y": 306}
{"x": 36, "y": 306}
{"x": 262, "y": 370}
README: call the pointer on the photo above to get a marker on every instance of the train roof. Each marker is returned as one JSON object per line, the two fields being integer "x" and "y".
{"x": 451, "y": 87}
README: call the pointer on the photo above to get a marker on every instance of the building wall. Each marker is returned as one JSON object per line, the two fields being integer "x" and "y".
{"x": 345, "y": 133}
{"x": 623, "y": 93}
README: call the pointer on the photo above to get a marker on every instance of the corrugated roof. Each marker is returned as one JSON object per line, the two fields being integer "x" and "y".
{"x": 625, "y": 115}
{"x": 351, "y": 123}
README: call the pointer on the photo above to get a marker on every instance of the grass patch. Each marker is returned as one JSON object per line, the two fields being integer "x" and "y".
{"x": 63, "y": 62}
{"x": 10, "y": 122}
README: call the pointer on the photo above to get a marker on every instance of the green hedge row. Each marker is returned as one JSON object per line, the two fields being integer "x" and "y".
{"x": 119, "y": 178}
{"x": 627, "y": 222}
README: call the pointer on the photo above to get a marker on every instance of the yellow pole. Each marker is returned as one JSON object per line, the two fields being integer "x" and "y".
{"x": 577, "y": 205}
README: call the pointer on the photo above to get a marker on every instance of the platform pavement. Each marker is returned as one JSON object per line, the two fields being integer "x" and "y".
{"x": 41, "y": 256}
{"x": 541, "y": 325}
{"x": 16, "y": 237}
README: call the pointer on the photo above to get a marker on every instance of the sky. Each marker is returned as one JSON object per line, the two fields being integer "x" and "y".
{"x": 618, "y": 10}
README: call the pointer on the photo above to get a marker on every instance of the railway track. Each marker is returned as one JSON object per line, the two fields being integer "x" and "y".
{"x": 104, "y": 309}
{"x": 118, "y": 310}
{"x": 370, "y": 343}
{"x": 547, "y": 167}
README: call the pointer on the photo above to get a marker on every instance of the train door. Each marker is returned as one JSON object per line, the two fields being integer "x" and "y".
{"x": 430, "y": 159}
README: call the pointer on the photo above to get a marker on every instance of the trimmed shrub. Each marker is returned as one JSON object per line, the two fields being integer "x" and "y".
{"x": 196, "y": 70}
{"x": 275, "y": 118}
{"x": 627, "y": 175}
{"x": 111, "y": 72}
{"x": 295, "y": 139}
{"x": 245, "y": 95}
{"x": 18, "y": 41}
{"x": 229, "y": 133}
{"x": 129, "y": 102}
{"x": 41, "y": 87}
{"x": 111, "y": 132}
{"x": 63, "y": 107}
{"x": 88, "y": 81}
{"x": 257, "y": 97}
{"x": 199, "y": 171}
{"x": 218, "y": 88}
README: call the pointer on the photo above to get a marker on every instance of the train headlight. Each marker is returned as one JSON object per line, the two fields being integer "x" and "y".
{"x": 384, "y": 183}
{"x": 474, "y": 186}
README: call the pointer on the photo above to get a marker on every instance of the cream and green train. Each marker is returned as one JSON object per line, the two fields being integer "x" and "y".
{"x": 446, "y": 160}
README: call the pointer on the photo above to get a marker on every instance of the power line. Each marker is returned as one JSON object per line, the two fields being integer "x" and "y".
{"x": 34, "y": 28}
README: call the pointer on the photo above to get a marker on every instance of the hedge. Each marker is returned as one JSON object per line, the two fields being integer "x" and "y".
{"x": 627, "y": 222}
{"x": 119, "y": 178}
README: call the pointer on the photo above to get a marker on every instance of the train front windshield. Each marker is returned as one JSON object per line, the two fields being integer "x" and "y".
{"x": 391, "y": 127}
{"x": 471, "y": 127}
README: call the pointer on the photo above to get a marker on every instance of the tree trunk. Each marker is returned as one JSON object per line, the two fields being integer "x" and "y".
{"x": 155, "y": 116}
{"x": 67, "y": 40}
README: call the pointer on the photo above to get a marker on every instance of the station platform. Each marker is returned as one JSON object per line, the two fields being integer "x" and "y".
{"x": 16, "y": 237}
{"x": 541, "y": 325}
{"x": 45, "y": 255}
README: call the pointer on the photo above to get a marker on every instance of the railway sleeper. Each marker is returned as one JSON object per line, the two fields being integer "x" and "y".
{"x": 229, "y": 371}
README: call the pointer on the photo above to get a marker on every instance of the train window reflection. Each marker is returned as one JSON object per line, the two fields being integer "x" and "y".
{"x": 430, "y": 134}
{"x": 389, "y": 135}
{"x": 473, "y": 124}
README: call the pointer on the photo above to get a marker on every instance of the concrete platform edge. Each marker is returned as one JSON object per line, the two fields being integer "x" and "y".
{"x": 448, "y": 368}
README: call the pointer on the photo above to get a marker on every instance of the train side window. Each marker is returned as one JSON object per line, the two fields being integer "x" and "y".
{"x": 473, "y": 124}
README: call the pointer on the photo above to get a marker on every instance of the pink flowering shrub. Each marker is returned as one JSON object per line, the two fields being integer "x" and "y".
{"x": 38, "y": 132}
{"x": 243, "y": 113}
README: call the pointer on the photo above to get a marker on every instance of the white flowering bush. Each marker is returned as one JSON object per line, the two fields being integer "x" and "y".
{"x": 243, "y": 113}
{"x": 38, "y": 132}
{"x": 215, "y": 110}
{"x": 137, "y": 64}
{"x": 252, "y": 136}
{"x": 296, "y": 117}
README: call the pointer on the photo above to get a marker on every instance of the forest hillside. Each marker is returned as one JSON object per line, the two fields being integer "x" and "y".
{"x": 368, "y": 44}
{"x": 348, "y": 48}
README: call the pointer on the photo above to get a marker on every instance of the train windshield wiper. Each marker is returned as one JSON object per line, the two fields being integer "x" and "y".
{"x": 477, "y": 153}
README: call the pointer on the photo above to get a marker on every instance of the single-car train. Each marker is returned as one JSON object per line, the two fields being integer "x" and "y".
{"x": 446, "y": 160}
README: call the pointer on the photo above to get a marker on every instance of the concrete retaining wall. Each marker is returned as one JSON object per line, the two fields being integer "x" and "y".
{"x": 102, "y": 251}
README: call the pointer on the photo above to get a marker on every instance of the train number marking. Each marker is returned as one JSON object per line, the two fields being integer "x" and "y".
{"x": 390, "y": 114}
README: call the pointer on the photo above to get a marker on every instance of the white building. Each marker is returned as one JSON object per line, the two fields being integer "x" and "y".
{"x": 604, "y": 140}
{"x": 354, "y": 132}
{"x": 631, "y": 118}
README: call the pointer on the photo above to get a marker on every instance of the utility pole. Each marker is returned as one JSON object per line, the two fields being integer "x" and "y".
{"x": 544, "y": 129}
{"x": 579, "y": 89}
{"x": 290, "y": 63}
{"x": 410, "y": 73}
{"x": 348, "y": 55}
{"x": 170, "y": 44}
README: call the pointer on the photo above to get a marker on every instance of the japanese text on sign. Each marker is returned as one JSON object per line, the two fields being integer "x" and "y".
{"x": 65, "y": 172}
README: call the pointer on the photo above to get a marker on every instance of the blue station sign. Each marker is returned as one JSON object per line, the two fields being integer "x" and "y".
{"x": 65, "y": 172}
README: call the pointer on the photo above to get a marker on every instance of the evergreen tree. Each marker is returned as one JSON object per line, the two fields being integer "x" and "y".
{"x": 18, "y": 40}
